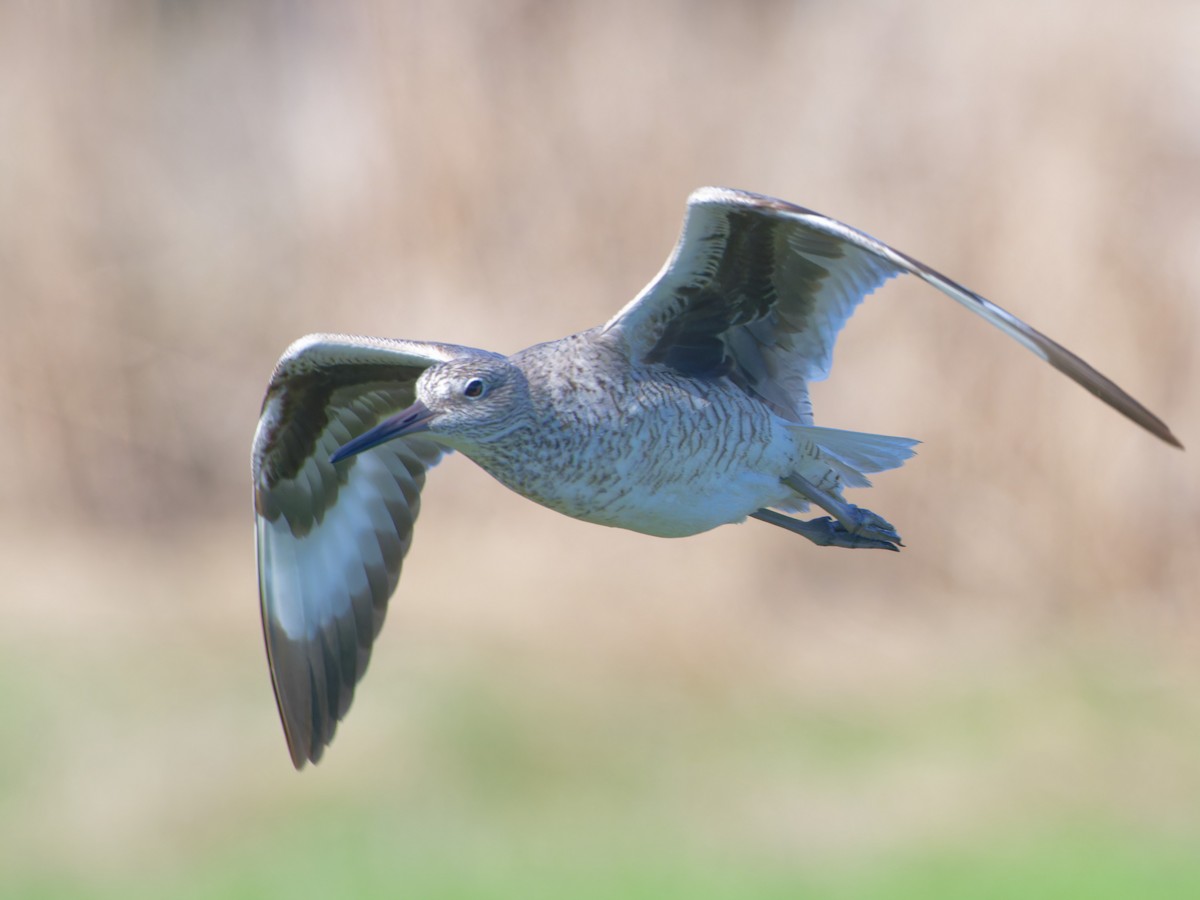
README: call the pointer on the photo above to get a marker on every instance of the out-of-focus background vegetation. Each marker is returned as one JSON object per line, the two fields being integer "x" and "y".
{"x": 1010, "y": 707}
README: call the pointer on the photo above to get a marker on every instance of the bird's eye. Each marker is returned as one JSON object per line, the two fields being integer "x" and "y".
{"x": 473, "y": 388}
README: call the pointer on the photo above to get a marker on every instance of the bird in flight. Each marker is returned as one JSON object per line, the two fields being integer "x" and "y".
{"x": 687, "y": 410}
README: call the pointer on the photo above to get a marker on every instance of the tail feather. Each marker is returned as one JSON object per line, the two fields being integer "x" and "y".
{"x": 865, "y": 452}
{"x": 851, "y": 454}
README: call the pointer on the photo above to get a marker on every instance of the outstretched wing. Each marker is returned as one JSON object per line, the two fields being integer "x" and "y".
{"x": 757, "y": 290}
{"x": 331, "y": 537}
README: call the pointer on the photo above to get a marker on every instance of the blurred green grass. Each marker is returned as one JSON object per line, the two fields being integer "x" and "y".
{"x": 513, "y": 824}
{"x": 1086, "y": 860}
{"x": 515, "y": 775}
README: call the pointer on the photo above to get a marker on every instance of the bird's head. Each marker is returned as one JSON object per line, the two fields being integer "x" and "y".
{"x": 473, "y": 402}
{"x": 464, "y": 403}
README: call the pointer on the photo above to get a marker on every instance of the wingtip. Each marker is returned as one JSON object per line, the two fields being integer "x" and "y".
{"x": 301, "y": 755}
{"x": 1143, "y": 417}
{"x": 1154, "y": 425}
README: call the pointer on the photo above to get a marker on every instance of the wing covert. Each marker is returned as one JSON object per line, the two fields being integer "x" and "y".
{"x": 752, "y": 293}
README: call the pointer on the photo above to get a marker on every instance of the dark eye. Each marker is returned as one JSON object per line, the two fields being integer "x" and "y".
{"x": 473, "y": 388}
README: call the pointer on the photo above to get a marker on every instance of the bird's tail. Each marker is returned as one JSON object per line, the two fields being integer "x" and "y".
{"x": 848, "y": 456}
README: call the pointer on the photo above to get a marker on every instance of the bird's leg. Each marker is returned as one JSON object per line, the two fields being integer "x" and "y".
{"x": 824, "y": 532}
{"x": 854, "y": 519}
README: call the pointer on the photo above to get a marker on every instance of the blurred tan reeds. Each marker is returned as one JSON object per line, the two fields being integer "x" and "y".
{"x": 185, "y": 188}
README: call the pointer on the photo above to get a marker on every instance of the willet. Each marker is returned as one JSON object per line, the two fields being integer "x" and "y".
{"x": 689, "y": 409}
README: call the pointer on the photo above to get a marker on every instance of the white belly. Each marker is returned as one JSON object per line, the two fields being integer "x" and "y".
{"x": 681, "y": 509}
{"x": 668, "y": 492}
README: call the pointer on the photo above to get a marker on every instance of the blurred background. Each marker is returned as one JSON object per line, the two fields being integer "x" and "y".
{"x": 1011, "y": 706}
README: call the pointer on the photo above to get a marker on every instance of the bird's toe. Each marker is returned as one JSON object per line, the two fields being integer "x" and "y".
{"x": 872, "y": 526}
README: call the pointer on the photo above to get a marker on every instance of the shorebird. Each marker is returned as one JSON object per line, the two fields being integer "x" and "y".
{"x": 687, "y": 410}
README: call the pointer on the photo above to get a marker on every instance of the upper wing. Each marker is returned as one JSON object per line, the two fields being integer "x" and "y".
{"x": 757, "y": 289}
{"x": 331, "y": 538}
